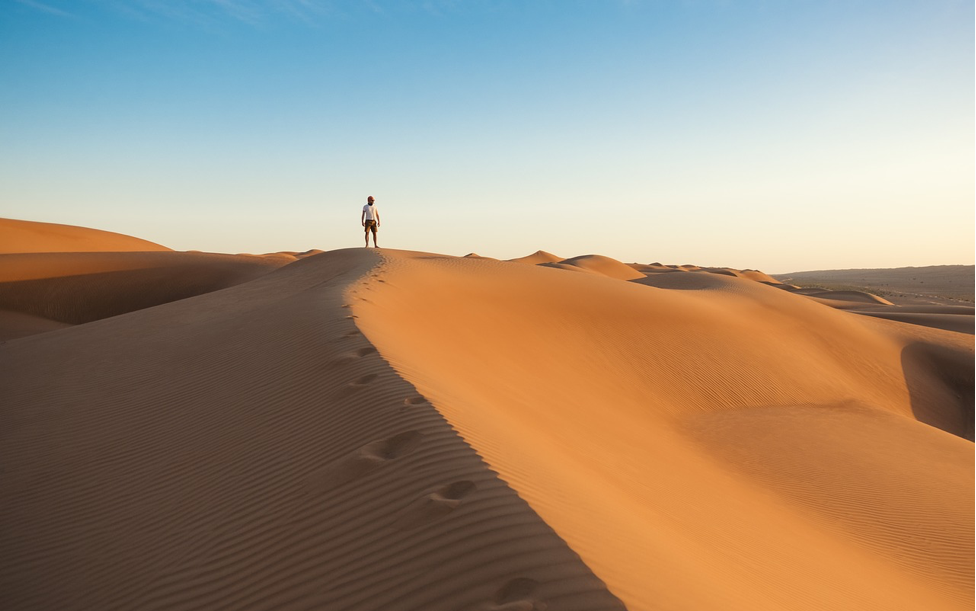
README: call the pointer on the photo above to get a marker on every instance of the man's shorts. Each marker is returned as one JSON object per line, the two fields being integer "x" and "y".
{"x": 371, "y": 225}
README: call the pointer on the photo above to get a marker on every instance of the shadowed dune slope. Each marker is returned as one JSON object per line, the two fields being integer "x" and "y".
{"x": 702, "y": 441}
{"x": 30, "y": 236}
{"x": 250, "y": 449}
{"x": 76, "y": 288}
{"x": 949, "y": 322}
{"x": 17, "y": 324}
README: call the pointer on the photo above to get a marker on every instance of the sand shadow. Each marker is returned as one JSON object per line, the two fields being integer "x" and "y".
{"x": 940, "y": 384}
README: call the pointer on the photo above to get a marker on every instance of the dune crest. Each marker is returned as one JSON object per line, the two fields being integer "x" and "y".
{"x": 604, "y": 266}
{"x": 539, "y": 256}
{"x": 249, "y": 448}
{"x": 32, "y": 236}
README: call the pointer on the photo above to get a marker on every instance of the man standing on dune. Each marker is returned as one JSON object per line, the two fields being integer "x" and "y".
{"x": 371, "y": 220}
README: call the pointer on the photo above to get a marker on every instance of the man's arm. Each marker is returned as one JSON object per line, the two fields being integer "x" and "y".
{"x": 377, "y": 213}
{"x": 362, "y": 218}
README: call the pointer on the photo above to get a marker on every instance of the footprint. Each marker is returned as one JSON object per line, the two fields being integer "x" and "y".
{"x": 516, "y": 595}
{"x": 347, "y": 358}
{"x": 353, "y": 333}
{"x": 366, "y": 379}
{"x": 363, "y": 461}
{"x": 355, "y": 386}
{"x": 456, "y": 491}
{"x": 393, "y": 447}
{"x": 418, "y": 400}
{"x": 435, "y": 505}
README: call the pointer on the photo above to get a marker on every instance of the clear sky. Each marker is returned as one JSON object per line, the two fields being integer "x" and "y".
{"x": 775, "y": 134}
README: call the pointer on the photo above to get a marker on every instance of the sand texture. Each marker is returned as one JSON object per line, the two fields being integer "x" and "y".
{"x": 250, "y": 449}
{"x": 390, "y": 430}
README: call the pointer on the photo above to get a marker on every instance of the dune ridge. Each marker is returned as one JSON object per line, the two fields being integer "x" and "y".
{"x": 249, "y": 448}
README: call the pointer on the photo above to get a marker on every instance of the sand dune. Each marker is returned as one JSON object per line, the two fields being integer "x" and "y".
{"x": 759, "y": 276}
{"x": 248, "y": 448}
{"x": 31, "y": 236}
{"x": 41, "y": 291}
{"x": 850, "y": 296}
{"x": 950, "y": 322}
{"x": 387, "y": 430}
{"x": 17, "y": 324}
{"x": 76, "y": 288}
{"x": 598, "y": 264}
{"x": 958, "y": 318}
{"x": 539, "y": 256}
{"x": 703, "y": 447}
{"x": 932, "y": 284}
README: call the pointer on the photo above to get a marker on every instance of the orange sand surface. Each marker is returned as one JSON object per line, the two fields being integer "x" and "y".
{"x": 703, "y": 441}
{"x": 389, "y": 430}
{"x": 31, "y": 236}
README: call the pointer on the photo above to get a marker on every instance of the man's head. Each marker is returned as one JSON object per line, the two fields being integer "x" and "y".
{"x": 369, "y": 200}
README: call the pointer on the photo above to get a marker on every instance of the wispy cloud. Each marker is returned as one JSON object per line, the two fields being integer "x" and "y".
{"x": 253, "y": 12}
{"x": 310, "y": 12}
{"x": 50, "y": 10}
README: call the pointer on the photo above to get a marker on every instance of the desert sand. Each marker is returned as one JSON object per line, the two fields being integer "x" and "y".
{"x": 30, "y": 236}
{"x": 934, "y": 284}
{"x": 382, "y": 429}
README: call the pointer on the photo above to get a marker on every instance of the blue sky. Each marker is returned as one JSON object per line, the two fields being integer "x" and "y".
{"x": 780, "y": 135}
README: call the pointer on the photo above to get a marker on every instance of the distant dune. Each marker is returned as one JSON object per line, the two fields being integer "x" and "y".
{"x": 47, "y": 290}
{"x": 539, "y": 256}
{"x": 599, "y": 264}
{"x": 905, "y": 284}
{"x": 397, "y": 431}
{"x": 29, "y": 236}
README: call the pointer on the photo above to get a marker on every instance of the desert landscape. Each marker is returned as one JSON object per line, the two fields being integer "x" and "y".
{"x": 386, "y": 429}
{"x": 931, "y": 285}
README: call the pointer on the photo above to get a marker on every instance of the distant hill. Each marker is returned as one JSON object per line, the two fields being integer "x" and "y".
{"x": 900, "y": 284}
{"x": 30, "y": 237}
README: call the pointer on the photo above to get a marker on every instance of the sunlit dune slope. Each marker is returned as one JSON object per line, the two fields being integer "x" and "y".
{"x": 599, "y": 264}
{"x": 30, "y": 236}
{"x": 250, "y": 449}
{"x": 539, "y": 256}
{"x": 703, "y": 441}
